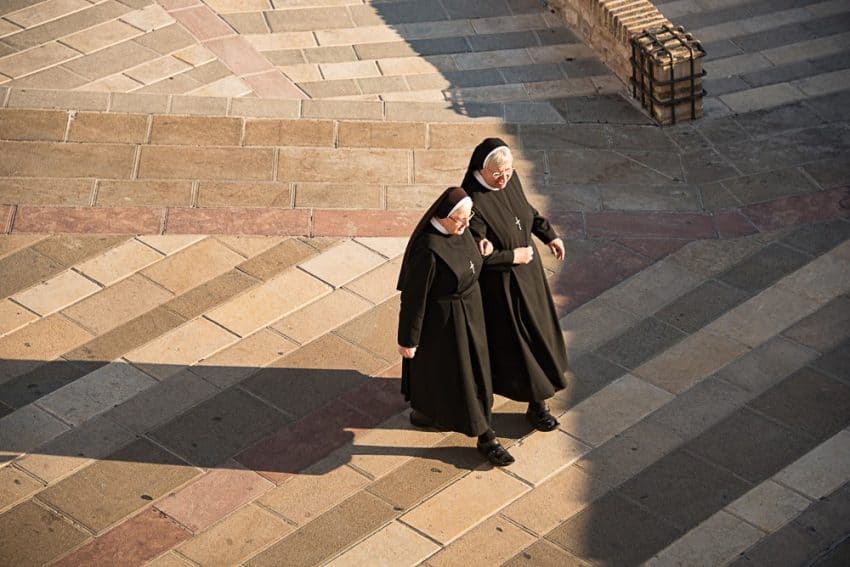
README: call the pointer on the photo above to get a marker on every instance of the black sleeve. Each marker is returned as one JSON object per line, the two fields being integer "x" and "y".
{"x": 500, "y": 259}
{"x": 414, "y": 296}
{"x": 541, "y": 228}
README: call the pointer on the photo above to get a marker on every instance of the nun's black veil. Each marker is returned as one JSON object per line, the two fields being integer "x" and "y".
{"x": 479, "y": 154}
{"x": 441, "y": 209}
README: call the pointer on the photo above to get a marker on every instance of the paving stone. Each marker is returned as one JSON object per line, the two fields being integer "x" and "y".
{"x": 276, "y": 259}
{"x": 824, "y": 329}
{"x": 144, "y": 193}
{"x": 812, "y": 207}
{"x": 13, "y": 316}
{"x": 640, "y": 343}
{"x": 343, "y": 263}
{"x": 379, "y": 284}
{"x": 829, "y": 173}
{"x": 769, "y": 505}
{"x": 193, "y": 266}
{"x": 26, "y": 62}
{"x": 239, "y": 220}
{"x": 56, "y": 293}
{"x": 816, "y": 239}
{"x": 265, "y": 132}
{"x": 27, "y": 428}
{"x": 394, "y": 544}
{"x": 835, "y": 363}
{"x": 101, "y": 36}
{"x": 698, "y": 307}
{"x": 325, "y": 195}
{"x": 249, "y": 246}
{"x": 161, "y": 402}
{"x": 38, "y": 342}
{"x": 237, "y": 537}
{"x": 374, "y": 330}
{"x": 233, "y": 364}
{"x": 12, "y": 243}
{"x": 763, "y": 268}
{"x": 544, "y": 554}
{"x": 491, "y": 542}
{"x": 57, "y": 99}
{"x": 613, "y": 530}
{"x": 652, "y": 288}
{"x": 823, "y": 470}
{"x": 66, "y": 160}
{"x": 15, "y": 486}
{"x": 594, "y": 324}
{"x": 336, "y": 529}
{"x": 111, "y": 60}
{"x": 42, "y": 380}
{"x": 587, "y": 375}
{"x": 96, "y": 392}
{"x": 196, "y": 130}
{"x": 137, "y": 540}
{"x": 31, "y": 16}
{"x": 823, "y": 278}
{"x": 29, "y": 522}
{"x": 770, "y": 185}
{"x": 345, "y": 166}
{"x": 119, "y": 262}
{"x": 20, "y": 124}
{"x": 171, "y": 243}
{"x": 179, "y": 84}
{"x": 216, "y": 429}
{"x": 808, "y": 402}
{"x": 321, "y": 316}
{"x": 117, "y": 304}
{"x": 206, "y": 163}
{"x": 87, "y": 220}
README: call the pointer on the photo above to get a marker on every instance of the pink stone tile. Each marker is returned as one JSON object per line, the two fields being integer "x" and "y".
{"x": 213, "y": 496}
{"x": 671, "y": 225}
{"x": 272, "y": 84}
{"x": 327, "y": 222}
{"x": 593, "y": 274}
{"x": 135, "y": 542}
{"x": 116, "y": 220}
{"x": 567, "y": 225}
{"x": 239, "y": 55}
{"x": 230, "y": 220}
{"x": 379, "y": 397}
{"x": 203, "y": 23}
{"x": 178, "y": 4}
{"x": 653, "y": 248}
{"x": 799, "y": 209}
{"x": 732, "y": 224}
{"x": 306, "y": 441}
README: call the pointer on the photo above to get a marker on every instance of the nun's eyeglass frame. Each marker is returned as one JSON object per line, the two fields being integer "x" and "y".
{"x": 463, "y": 220}
{"x": 503, "y": 173}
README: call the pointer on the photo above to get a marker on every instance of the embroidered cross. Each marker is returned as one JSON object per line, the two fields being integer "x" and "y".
{"x": 517, "y": 223}
{"x": 472, "y": 266}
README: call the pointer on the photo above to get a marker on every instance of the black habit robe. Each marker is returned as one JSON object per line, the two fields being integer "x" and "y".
{"x": 442, "y": 315}
{"x": 527, "y": 351}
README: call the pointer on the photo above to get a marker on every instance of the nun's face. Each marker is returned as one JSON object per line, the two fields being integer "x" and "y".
{"x": 457, "y": 222}
{"x": 497, "y": 176}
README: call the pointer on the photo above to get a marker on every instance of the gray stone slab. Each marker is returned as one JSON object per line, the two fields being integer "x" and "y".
{"x": 544, "y": 554}
{"x": 775, "y": 120}
{"x": 584, "y": 67}
{"x": 829, "y": 63}
{"x": 390, "y": 13}
{"x": 458, "y": 9}
{"x": 684, "y": 489}
{"x": 774, "y": 37}
{"x": 532, "y": 73}
{"x": 650, "y": 198}
{"x": 474, "y": 78}
{"x": 43, "y": 380}
{"x": 722, "y": 130}
{"x": 833, "y": 107}
{"x": 640, "y": 343}
{"x": 724, "y": 85}
{"x": 830, "y": 173}
{"x": 569, "y": 197}
{"x": 700, "y": 306}
{"x": 587, "y": 375}
{"x": 780, "y": 74}
{"x": 556, "y": 36}
{"x": 816, "y": 239}
{"x": 705, "y": 166}
{"x": 750, "y": 446}
{"x": 825, "y": 329}
{"x": 646, "y": 138}
{"x": 770, "y": 185}
{"x": 808, "y": 402}
{"x": 610, "y": 109}
{"x": 218, "y": 428}
{"x": 836, "y": 363}
{"x": 763, "y": 268}
{"x": 601, "y": 166}
{"x": 766, "y": 365}
{"x": 687, "y": 137}
{"x": 700, "y": 407}
{"x": 439, "y": 46}
{"x": 720, "y": 48}
{"x": 715, "y": 197}
{"x": 497, "y": 41}
{"x": 570, "y": 136}
{"x": 613, "y": 531}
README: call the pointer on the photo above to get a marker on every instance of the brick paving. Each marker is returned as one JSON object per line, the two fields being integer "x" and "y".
{"x": 203, "y": 211}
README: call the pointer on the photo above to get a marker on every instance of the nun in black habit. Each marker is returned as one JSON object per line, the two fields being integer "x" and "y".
{"x": 441, "y": 333}
{"x": 527, "y": 351}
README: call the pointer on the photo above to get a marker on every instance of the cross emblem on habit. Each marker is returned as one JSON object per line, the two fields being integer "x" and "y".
{"x": 517, "y": 223}
{"x": 472, "y": 266}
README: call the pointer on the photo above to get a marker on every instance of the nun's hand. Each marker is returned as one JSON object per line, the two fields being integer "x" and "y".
{"x": 523, "y": 255}
{"x": 557, "y": 248}
{"x": 485, "y": 247}
{"x": 406, "y": 352}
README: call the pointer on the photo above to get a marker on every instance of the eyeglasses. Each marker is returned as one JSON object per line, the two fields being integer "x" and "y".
{"x": 507, "y": 172}
{"x": 463, "y": 220}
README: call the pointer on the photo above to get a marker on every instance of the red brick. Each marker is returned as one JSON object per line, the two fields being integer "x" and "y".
{"x": 732, "y": 224}
{"x": 328, "y": 222}
{"x": 260, "y": 221}
{"x": 116, "y": 220}
{"x": 135, "y": 542}
{"x": 670, "y": 225}
{"x": 800, "y": 209}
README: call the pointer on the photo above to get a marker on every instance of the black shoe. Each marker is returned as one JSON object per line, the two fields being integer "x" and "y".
{"x": 541, "y": 419}
{"x": 495, "y": 453}
{"x": 419, "y": 419}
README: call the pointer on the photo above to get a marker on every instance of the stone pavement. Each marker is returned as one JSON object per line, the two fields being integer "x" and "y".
{"x": 203, "y": 223}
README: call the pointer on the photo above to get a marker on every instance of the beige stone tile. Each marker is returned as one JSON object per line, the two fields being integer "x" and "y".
{"x": 763, "y": 316}
{"x": 150, "y": 18}
{"x": 21, "y": 124}
{"x": 717, "y": 541}
{"x": 225, "y": 6}
{"x": 439, "y": 166}
{"x": 349, "y": 70}
{"x": 406, "y": 66}
{"x": 26, "y": 62}
{"x": 195, "y": 162}
{"x": 120, "y": 262}
{"x": 593, "y": 324}
{"x": 56, "y": 293}
{"x": 15, "y": 486}
{"x": 231, "y": 86}
{"x": 378, "y": 285}
{"x": 302, "y": 72}
{"x": 13, "y": 317}
{"x": 820, "y": 471}
{"x": 492, "y": 542}
{"x": 195, "y": 55}
{"x": 412, "y": 196}
{"x": 7, "y": 28}
{"x": 689, "y": 361}
{"x": 193, "y": 266}
{"x": 170, "y": 243}
{"x": 170, "y": 559}
{"x": 281, "y": 132}
{"x": 46, "y": 339}
{"x": 322, "y": 316}
{"x": 344, "y": 110}
{"x": 393, "y": 545}
{"x": 768, "y": 506}
{"x": 367, "y": 452}
{"x": 304, "y": 497}
{"x": 710, "y": 257}
{"x": 237, "y": 537}
{"x": 338, "y": 196}
{"x": 101, "y": 36}
{"x": 538, "y": 457}
{"x": 96, "y": 392}
{"x": 156, "y": 70}
{"x": 27, "y": 428}
{"x": 117, "y": 304}
{"x": 649, "y": 290}
{"x": 41, "y": 12}
{"x": 462, "y": 505}
{"x": 465, "y": 136}
{"x": 266, "y": 303}
{"x": 613, "y": 409}
{"x": 249, "y": 246}
{"x": 341, "y": 264}
{"x": 387, "y": 246}
{"x": 170, "y": 353}
{"x": 283, "y": 40}
{"x": 108, "y": 127}
{"x": 824, "y": 277}
{"x": 32, "y": 159}
{"x": 382, "y": 135}
{"x": 488, "y": 59}
{"x": 11, "y": 243}
{"x": 57, "y": 99}
{"x": 353, "y": 36}
{"x": 112, "y": 84}
{"x": 234, "y": 363}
